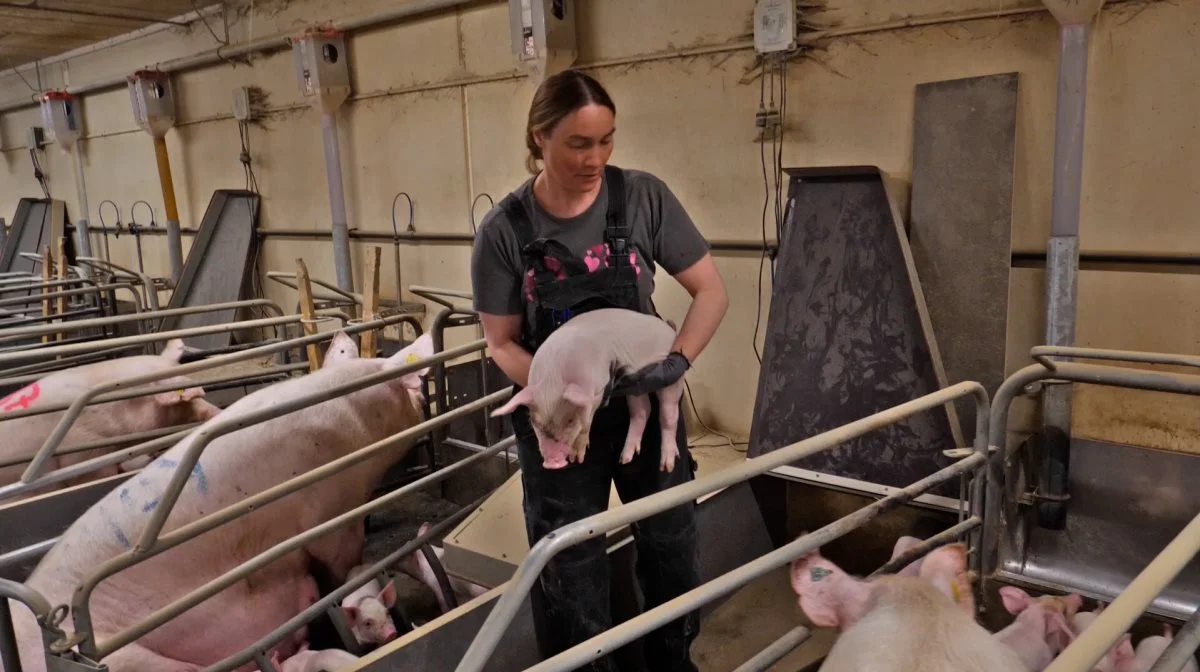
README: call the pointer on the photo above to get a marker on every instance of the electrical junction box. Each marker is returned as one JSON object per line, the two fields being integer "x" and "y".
{"x": 35, "y": 137}
{"x": 241, "y": 103}
{"x": 322, "y": 69}
{"x": 153, "y": 101}
{"x": 60, "y": 115}
{"x": 543, "y": 35}
{"x": 774, "y": 26}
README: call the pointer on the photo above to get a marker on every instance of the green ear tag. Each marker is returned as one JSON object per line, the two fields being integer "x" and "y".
{"x": 818, "y": 573}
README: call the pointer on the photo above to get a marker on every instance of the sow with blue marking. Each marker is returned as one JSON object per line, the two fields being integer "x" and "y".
{"x": 233, "y": 467}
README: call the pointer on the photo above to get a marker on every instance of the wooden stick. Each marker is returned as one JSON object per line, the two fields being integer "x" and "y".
{"x": 62, "y": 275}
{"x": 46, "y": 261}
{"x": 308, "y": 312}
{"x": 370, "y": 302}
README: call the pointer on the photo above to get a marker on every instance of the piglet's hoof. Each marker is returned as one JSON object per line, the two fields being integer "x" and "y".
{"x": 669, "y": 455}
{"x": 556, "y": 462}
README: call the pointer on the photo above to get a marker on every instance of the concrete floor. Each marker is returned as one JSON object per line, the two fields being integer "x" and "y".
{"x": 751, "y": 619}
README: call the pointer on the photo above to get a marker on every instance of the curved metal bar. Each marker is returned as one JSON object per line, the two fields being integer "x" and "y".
{"x": 62, "y": 293}
{"x": 436, "y": 294}
{"x": 922, "y": 549}
{"x": 1043, "y": 353}
{"x": 1181, "y": 649}
{"x": 439, "y": 572}
{"x": 777, "y": 650}
{"x": 502, "y": 614}
{"x": 151, "y": 543}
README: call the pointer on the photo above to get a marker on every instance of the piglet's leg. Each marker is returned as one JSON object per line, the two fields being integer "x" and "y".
{"x": 639, "y": 413}
{"x": 668, "y": 421}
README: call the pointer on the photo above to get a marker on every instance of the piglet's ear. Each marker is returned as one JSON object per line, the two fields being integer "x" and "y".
{"x": 341, "y": 349}
{"x": 575, "y": 395}
{"x": 522, "y": 398}
{"x": 903, "y": 544}
{"x": 1015, "y": 600}
{"x": 173, "y": 350}
{"x": 179, "y": 396}
{"x": 828, "y": 596}
{"x": 387, "y": 596}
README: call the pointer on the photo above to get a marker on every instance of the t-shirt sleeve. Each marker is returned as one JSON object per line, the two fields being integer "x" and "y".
{"x": 495, "y": 268}
{"x": 677, "y": 242}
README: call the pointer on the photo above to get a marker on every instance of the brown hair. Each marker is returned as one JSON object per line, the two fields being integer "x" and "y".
{"x": 559, "y": 95}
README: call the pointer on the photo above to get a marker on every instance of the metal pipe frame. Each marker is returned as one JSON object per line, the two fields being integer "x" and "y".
{"x": 151, "y": 543}
{"x": 29, "y": 552}
{"x": 12, "y": 590}
{"x": 10, "y": 286}
{"x": 76, "y": 407}
{"x": 31, "y": 372}
{"x": 314, "y": 610}
{"x": 53, "y": 350}
{"x": 78, "y": 325}
{"x": 1003, "y": 536}
{"x": 543, "y": 551}
{"x": 337, "y": 202}
{"x": 62, "y": 293}
{"x": 345, "y": 296}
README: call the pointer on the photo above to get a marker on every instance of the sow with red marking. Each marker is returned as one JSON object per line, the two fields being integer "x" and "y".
{"x": 24, "y": 436}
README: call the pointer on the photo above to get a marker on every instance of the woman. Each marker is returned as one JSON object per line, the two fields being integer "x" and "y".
{"x": 580, "y": 235}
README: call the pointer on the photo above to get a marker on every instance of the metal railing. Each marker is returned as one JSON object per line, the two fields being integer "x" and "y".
{"x": 501, "y": 616}
{"x": 1091, "y": 645}
{"x": 13, "y": 334}
{"x": 76, "y": 348}
{"x": 40, "y": 607}
{"x": 152, "y": 542}
{"x": 30, "y": 479}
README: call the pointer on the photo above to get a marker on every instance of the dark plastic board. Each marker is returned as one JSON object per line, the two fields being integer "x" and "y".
{"x": 847, "y": 336}
{"x": 219, "y": 265}
{"x": 964, "y": 141}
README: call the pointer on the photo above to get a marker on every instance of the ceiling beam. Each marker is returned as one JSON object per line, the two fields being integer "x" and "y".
{"x": 94, "y": 14}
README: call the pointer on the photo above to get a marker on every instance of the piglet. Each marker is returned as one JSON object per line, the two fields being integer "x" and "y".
{"x": 307, "y": 660}
{"x": 366, "y": 610}
{"x": 901, "y": 623}
{"x": 1150, "y": 649}
{"x": 571, "y": 370}
{"x": 416, "y": 566}
{"x": 1040, "y": 630}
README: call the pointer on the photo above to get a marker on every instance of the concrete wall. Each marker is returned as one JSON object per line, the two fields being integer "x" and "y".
{"x": 439, "y": 107}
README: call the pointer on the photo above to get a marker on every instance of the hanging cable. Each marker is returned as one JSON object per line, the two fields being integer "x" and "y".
{"x": 492, "y": 204}
{"x": 412, "y": 228}
{"x": 104, "y": 226}
{"x": 37, "y": 172}
{"x": 244, "y": 157}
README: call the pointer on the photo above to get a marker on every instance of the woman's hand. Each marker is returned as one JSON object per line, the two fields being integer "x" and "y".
{"x": 651, "y": 378}
{"x": 502, "y": 333}
{"x": 709, "y": 301}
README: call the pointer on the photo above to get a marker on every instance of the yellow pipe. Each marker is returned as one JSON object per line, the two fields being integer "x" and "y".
{"x": 164, "y": 177}
{"x": 174, "y": 240}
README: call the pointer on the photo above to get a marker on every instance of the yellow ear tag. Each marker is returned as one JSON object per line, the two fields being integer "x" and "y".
{"x": 957, "y": 594}
{"x": 412, "y": 358}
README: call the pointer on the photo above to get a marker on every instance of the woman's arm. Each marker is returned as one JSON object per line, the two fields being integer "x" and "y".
{"x": 502, "y": 333}
{"x": 709, "y": 302}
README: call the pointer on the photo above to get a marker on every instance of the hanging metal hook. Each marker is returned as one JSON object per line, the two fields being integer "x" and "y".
{"x": 474, "y": 203}
{"x": 136, "y": 230}
{"x": 133, "y": 213}
{"x": 412, "y": 228}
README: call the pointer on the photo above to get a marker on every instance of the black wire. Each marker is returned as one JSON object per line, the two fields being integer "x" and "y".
{"x": 37, "y": 172}
{"x": 762, "y": 148}
{"x": 244, "y": 157}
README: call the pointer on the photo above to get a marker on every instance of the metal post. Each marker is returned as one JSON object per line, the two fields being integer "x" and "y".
{"x": 1062, "y": 265}
{"x": 83, "y": 241}
{"x": 10, "y": 656}
{"x": 776, "y": 650}
{"x": 1181, "y": 649}
{"x": 337, "y": 204}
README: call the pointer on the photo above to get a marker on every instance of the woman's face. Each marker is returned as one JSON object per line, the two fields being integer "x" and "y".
{"x": 576, "y": 151}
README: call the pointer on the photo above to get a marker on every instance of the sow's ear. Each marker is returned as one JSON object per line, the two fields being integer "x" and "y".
{"x": 180, "y": 396}
{"x": 828, "y": 596}
{"x": 522, "y": 398}
{"x": 420, "y": 349}
{"x": 946, "y": 569}
{"x": 902, "y": 546}
{"x": 341, "y": 349}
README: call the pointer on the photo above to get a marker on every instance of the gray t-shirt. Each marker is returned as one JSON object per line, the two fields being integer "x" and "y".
{"x": 662, "y": 233}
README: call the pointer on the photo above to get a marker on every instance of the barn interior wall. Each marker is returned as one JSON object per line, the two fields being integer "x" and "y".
{"x": 438, "y": 112}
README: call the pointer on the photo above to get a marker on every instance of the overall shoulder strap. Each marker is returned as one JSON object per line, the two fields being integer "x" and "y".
{"x": 518, "y": 218}
{"x": 618, "y": 230}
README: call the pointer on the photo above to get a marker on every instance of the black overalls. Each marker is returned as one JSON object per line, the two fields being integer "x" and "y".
{"x": 574, "y": 601}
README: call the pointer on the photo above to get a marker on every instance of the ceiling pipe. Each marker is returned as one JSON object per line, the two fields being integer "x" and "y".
{"x": 1075, "y": 19}
{"x": 260, "y": 46}
{"x": 35, "y": 7}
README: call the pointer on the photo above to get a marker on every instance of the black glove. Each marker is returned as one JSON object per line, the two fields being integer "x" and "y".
{"x": 651, "y": 378}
